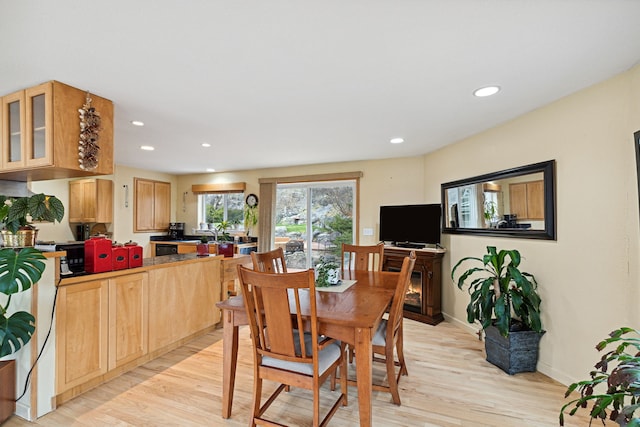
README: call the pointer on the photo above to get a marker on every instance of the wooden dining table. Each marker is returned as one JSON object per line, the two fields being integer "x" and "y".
{"x": 351, "y": 316}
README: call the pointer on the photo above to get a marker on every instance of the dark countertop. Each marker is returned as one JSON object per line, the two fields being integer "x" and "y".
{"x": 147, "y": 264}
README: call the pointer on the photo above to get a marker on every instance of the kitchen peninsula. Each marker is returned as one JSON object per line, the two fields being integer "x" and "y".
{"x": 108, "y": 323}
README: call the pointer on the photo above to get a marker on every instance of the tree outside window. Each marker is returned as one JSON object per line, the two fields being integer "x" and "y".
{"x": 217, "y": 207}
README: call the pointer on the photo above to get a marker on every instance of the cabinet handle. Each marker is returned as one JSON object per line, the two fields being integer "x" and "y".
{"x": 430, "y": 275}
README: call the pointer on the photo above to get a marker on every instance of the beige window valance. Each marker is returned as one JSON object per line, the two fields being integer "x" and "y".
{"x": 310, "y": 178}
{"x": 225, "y": 187}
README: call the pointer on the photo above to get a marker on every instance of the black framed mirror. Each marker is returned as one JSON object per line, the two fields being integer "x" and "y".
{"x": 517, "y": 202}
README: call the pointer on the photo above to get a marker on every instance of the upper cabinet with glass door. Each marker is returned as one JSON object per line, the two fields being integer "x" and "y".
{"x": 41, "y": 133}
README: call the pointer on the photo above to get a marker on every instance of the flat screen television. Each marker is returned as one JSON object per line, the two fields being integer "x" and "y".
{"x": 411, "y": 225}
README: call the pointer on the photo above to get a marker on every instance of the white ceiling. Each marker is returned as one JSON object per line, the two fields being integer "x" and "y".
{"x": 292, "y": 82}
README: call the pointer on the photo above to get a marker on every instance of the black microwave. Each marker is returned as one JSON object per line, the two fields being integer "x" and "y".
{"x": 75, "y": 256}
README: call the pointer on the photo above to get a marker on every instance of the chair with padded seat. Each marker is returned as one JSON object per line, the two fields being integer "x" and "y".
{"x": 282, "y": 351}
{"x": 358, "y": 257}
{"x": 269, "y": 262}
{"x": 389, "y": 334}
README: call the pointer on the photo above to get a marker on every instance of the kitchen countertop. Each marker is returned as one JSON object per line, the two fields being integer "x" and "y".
{"x": 147, "y": 264}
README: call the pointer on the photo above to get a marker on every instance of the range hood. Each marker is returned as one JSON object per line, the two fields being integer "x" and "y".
{"x": 14, "y": 189}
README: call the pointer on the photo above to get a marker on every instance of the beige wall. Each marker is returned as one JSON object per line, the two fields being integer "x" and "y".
{"x": 588, "y": 277}
{"x": 122, "y": 227}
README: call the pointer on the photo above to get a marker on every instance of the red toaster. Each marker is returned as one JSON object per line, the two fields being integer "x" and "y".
{"x": 135, "y": 254}
{"x": 119, "y": 257}
{"x": 97, "y": 255}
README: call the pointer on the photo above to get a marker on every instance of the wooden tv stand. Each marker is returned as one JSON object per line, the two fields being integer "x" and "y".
{"x": 428, "y": 267}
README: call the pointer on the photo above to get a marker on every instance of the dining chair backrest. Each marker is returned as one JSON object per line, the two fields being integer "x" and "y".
{"x": 282, "y": 351}
{"x": 397, "y": 304}
{"x": 269, "y": 262}
{"x": 274, "y": 304}
{"x": 357, "y": 257}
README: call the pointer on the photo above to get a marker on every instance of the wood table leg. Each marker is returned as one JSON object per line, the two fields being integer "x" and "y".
{"x": 229, "y": 359}
{"x": 364, "y": 373}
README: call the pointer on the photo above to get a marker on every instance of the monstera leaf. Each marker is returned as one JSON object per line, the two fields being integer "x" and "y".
{"x": 18, "y": 271}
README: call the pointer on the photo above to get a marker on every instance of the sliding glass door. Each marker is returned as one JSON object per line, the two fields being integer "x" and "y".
{"x": 313, "y": 219}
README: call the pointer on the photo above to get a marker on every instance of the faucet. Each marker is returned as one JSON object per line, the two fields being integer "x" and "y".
{"x": 214, "y": 233}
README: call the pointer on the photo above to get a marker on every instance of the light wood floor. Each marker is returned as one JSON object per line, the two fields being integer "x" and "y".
{"x": 449, "y": 384}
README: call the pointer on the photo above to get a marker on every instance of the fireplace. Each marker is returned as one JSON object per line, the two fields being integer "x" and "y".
{"x": 422, "y": 301}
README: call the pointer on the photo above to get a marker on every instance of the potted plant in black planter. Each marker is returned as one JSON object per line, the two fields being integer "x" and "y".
{"x": 504, "y": 300}
{"x": 19, "y": 270}
{"x": 620, "y": 398}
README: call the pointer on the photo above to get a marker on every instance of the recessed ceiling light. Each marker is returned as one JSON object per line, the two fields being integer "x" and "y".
{"x": 206, "y": 144}
{"x": 211, "y": 170}
{"x": 396, "y": 140}
{"x": 486, "y": 91}
{"x": 147, "y": 148}
{"x": 137, "y": 123}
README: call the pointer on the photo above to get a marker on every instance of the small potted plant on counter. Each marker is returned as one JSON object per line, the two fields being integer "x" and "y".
{"x": 619, "y": 396}
{"x": 226, "y": 246}
{"x": 202, "y": 248}
{"x": 505, "y": 301}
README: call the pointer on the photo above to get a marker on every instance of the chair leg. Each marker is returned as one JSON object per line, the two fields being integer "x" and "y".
{"x": 399, "y": 349}
{"x": 343, "y": 379}
{"x": 391, "y": 376}
{"x": 316, "y": 405}
{"x": 257, "y": 396}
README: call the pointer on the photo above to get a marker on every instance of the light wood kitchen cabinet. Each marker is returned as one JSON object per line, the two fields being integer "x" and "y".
{"x": 152, "y": 205}
{"x": 82, "y": 332}
{"x": 128, "y": 318}
{"x": 40, "y": 133}
{"x": 111, "y": 322}
{"x": 187, "y": 288}
{"x": 91, "y": 200}
{"x": 100, "y": 325}
{"x": 526, "y": 200}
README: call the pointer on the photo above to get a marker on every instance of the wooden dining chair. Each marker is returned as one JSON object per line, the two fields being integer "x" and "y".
{"x": 357, "y": 257}
{"x": 282, "y": 351}
{"x": 389, "y": 335}
{"x": 269, "y": 262}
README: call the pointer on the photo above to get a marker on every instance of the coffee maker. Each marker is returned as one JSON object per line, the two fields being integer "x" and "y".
{"x": 176, "y": 230}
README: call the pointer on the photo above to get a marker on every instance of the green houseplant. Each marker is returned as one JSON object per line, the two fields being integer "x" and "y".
{"x": 505, "y": 301}
{"x": 327, "y": 273}
{"x": 202, "y": 248}
{"x": 490, "y": 211}
{"x": 17, "y": 214}
{"x": 621, "y": 396}
{"x": 225, "y": 241}
{"x": 19, "y": 269}
{"x": 250, "y": 218}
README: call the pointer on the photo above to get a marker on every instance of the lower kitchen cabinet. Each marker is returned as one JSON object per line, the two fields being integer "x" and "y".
{"x": 100, "y": 325}
{"x": 109, "y": 325}
{"x": 128, "y": 318}
{"x": 182, "y": 301}
{"x": 82, "y": 332}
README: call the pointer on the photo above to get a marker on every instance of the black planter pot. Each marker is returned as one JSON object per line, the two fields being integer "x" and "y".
{"x": 516, "y": 353}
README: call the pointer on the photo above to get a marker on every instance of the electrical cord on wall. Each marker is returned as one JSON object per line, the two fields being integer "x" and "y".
{"x": 53, "y": 310}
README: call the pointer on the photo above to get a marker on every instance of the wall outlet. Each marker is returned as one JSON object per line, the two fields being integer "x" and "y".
{"x": 367, "y": 231}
